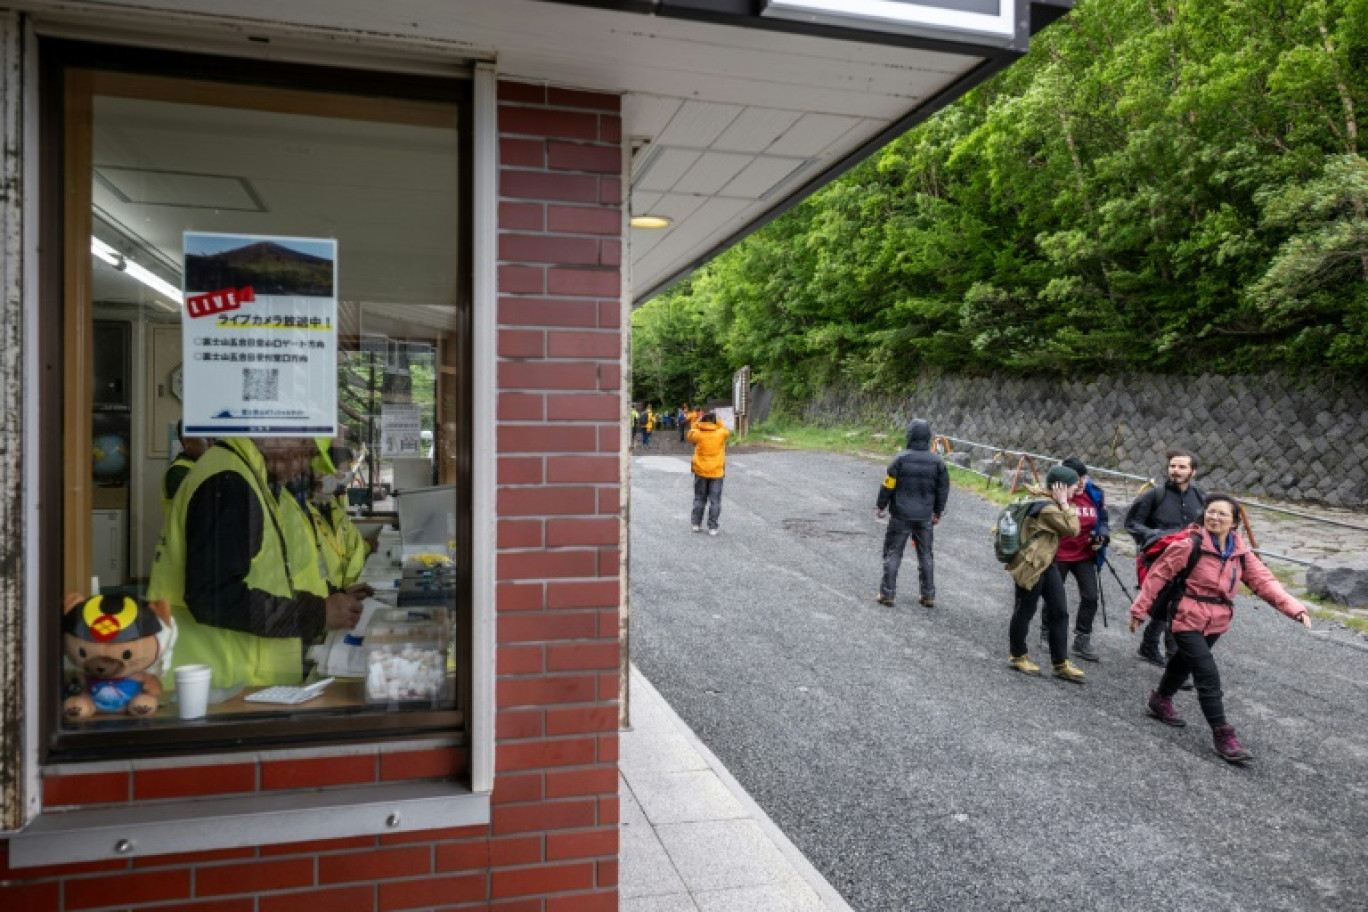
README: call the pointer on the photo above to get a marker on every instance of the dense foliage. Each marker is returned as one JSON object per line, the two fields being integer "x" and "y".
{"x": 1160, "y": 185}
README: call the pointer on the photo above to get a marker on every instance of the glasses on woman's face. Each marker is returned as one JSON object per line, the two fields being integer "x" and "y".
{"x": 1219, "y": 515}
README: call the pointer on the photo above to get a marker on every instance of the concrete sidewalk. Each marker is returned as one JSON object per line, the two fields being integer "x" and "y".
{"x": 692, "y": 839}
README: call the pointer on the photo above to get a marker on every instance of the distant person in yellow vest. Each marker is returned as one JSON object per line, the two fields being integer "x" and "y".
{"x": 709, "y": 437}
{"x": 238, "y": 565}
{"x": 192, "y": 448}
{"x": 340, "y": 545}
{"x": 648, "y": 424}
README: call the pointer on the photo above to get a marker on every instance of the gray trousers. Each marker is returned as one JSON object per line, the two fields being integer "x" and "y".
{"x": 707, "y": 491}
{"x": 895, "y": 541}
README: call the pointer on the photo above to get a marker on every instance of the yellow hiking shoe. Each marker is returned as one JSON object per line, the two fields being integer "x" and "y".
{"x": 1023, "y": 664}
{"x": 1068, "y": 671}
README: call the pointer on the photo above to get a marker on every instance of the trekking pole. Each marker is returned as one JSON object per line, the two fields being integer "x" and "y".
{"x": 1107, "y": 561}
{"x": 1102, "y": 595}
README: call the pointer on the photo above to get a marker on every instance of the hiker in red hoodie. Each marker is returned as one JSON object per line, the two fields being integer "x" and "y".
{"x": 1204, "y": 611}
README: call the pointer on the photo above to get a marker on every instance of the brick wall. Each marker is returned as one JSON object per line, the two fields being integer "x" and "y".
{"x": 552, "y": 843}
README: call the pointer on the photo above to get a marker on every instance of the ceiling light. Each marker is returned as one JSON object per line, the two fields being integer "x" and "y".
{"x": 108, "y": 254}
{"x": 650, "y": 221}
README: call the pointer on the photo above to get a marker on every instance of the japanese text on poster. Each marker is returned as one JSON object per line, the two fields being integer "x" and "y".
{"x": 401, "y": 429}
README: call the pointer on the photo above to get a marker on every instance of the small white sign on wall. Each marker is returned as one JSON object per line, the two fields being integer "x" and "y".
{"x": 401, "y": 430}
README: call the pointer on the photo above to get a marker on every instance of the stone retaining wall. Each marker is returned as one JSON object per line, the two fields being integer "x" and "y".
{"x": 1262, "y": 435}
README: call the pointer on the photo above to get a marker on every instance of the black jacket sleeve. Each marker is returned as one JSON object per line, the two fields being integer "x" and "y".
{"x": 223, "y": 530}
{"x": 942, "y": 489}
{"x": 1138, "y": 518}
{"x": 886, "y": 489}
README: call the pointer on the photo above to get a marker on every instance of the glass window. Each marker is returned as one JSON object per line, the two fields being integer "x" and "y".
{"x": 265, "y": 423}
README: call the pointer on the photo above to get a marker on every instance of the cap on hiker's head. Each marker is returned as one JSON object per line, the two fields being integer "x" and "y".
{"x": 1061, "y": 474}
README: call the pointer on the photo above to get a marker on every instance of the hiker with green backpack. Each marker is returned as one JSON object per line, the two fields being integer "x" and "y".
{"x": 1026, "y": 539}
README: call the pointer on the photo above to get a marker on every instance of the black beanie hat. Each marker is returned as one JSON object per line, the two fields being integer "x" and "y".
{"x": 1061, "y": 475}
{"x": 1076, "y": 464}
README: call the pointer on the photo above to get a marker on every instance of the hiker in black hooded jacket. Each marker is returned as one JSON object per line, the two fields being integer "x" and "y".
{"x": 917, "y": 486}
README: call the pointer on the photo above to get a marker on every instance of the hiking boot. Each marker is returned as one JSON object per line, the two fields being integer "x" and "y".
{"x": 1023, "y": 664}
{"x": 1068, "y": 671}
{"x": 928, "y": 602}
{"x": 712, "y": 531}
{"x": 1161, "y": 708}
{"x": 1082, "y": 647}
{"x": 1229, "y": 746}
{"x": 886, "y": 602}
{"x": 698, "y": 528}
{"x": 1151, "y": 653}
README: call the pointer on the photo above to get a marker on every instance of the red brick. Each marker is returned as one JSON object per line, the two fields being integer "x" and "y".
{"x": 514, "y": 724}
{"x": 583, "y": 656}
{"x": 376, "y": 864}
{"x": 579, "y": 533}
{"x": 610, "y": 253}
{"x": 514, "y": 905}
{"x": 609, "y": 624}
{"x": 522, "y": 279}
{"x": 85, "y": 788}
{"x": 582, "y": 719}
{"x": 598, "y": 283}
{"x": 126, "y": 889}
{"x": 600, "y": 780}
{"x": 610, "y": 129}
{"x": 522, "y": 217}
{"x": 317, "y": 773}
{"x": 610, "y": 191}
{"x": 610, "y": 502}
{"x": 587, "y": 844}
{"x": 583, "y": 220}
{"x": 434, "y": 763}
{"x": 518, "y": 788}
{"x": 601, "y": 901}
{"x": 610, "y": 315}
{"x": 232, "y": 904}
{"x": 558, "y": 124}
{"x": 608, "y": 748}
{"x": 433, "y": 891}
{"x": 609, "y": 809}
{"x": 609, "y": 687}
{"x": 535, "y": 627}
{"x": 525, "y": 533}
{"x": 462, "y": 856}
{"x": 610, "y": 377}
{"x": 571, "y": 375}
{"x": 186, "y": 781}
{"x": 535, "y": 755}
{"x": 520, "y": 470}
{"x": 547, "y": 501}
{"x": 520, "y": 596}
{"x": 545, "y": 691}
{"x": 576, "y": 98}
{"x": 585, "y": 406}
{"x": 445, "y": 834}
{"x": 515, "y": 850}
{"x": 523, "y": 406}
{"x": 522, "y": 153}
{"x": 548, "y": 186}
{"x": 521, "y": 343}
{"x": 608, "y": 872}
{"x": 178, "y": 859}
{"x": 545, "y": 879}
{"x": 596, "y": 344}
{"x": 546, "y": 311}
{"x": 609, "y": 562}
{"x": 543, "y": 438}
{"x": 538, "y": 818}
{"x": 597, "y": 594}
{"x": 315, "y": 846}
{"x": 31, "y": 897}
{"x": 520, "y": 660}
{"x": 563, "y": 156}
{"x": 337, "y": 899}
{"x": 525, "y": 92}
{"x": 549, "y": 248}
{"x": 583, "y": 469}
{"x": 254, "y": 877}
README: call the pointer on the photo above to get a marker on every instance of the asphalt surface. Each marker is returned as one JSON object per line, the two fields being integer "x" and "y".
{"x": 915, "y": 770}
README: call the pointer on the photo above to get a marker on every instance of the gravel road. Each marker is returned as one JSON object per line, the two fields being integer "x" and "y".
{"x": 916, "y": 771}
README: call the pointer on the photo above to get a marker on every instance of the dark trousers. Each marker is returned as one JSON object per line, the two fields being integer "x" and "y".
{"x": 1085, "y": 571}
{"x": 1193, "y": 656}
{"x": 707, "y": 491}
{"x": 895, "y": 542}
{"x": 1055, "y": 617}
{"x": 683, "y": 429}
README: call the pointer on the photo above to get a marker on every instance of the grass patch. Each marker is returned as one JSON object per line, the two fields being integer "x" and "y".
{"x": 1353, "y": 622}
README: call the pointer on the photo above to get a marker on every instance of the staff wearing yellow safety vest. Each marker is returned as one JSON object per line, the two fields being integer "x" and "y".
{"x": 237, "y": 563}
{"x": 340, "y": 545}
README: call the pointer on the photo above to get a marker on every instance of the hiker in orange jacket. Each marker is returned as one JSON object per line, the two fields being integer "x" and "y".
{"x": 709, "y": 437}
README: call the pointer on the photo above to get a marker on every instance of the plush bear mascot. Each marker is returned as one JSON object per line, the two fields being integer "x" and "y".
{"x": 113, "y": 641}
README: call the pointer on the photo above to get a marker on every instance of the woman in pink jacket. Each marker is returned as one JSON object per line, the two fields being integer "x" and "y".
{"x": 1204, "y": 612}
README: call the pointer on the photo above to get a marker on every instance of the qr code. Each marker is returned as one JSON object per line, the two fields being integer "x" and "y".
{"x": 260, "y": 384}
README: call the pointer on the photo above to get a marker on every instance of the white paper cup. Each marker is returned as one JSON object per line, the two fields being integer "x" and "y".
{"x": 192, "y": 690}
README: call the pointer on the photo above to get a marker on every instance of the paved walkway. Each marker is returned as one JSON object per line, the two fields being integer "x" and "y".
{"x": 692, "y": 839}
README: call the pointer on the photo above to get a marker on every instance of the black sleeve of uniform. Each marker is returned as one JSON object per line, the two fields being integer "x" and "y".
{"x": 942, "y": 487}
{"x": 174, "y": 476}
{"x": 1138, "y": 518}
{"x": 223, "y": 529}
{"x": 885, "y": 492}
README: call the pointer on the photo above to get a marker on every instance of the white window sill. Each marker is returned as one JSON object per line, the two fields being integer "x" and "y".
{"x": 137, "y": 830}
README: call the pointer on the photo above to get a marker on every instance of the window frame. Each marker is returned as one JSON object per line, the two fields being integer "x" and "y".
{"x": 61, "y": 165}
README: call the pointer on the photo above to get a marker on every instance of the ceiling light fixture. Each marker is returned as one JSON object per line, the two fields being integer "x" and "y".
{"x": 108, "y": 254}
{"x": 650, "y": 221}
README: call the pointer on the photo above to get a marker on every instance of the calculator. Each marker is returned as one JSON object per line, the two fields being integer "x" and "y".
{"x": 289, "y": 695}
